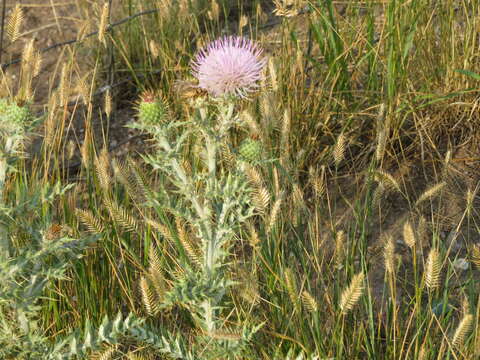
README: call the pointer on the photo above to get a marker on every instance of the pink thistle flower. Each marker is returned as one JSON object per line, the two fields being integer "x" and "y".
{"x": 229, "y": 66}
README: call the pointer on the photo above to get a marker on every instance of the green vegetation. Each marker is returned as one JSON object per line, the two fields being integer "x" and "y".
{"x": 333, "y": 215}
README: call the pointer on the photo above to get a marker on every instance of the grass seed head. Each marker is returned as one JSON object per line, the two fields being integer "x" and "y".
{"x": 352, "y": 293}
{"x": 462, "y": 331}
{"x": 432, "y": 269}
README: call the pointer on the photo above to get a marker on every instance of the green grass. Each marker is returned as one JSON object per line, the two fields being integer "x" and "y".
{"x": 361, "y": 113}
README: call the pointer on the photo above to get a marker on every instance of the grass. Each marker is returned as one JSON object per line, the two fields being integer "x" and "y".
{"x": 365, "y": 213}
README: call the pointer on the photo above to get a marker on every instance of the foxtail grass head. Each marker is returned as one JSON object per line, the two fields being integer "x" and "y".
{"x": 229, "y": 66}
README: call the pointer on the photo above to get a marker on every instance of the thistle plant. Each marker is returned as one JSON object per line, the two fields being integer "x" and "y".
{"x": 214, "y": 201}
{"x": 15, "y": 121}
{"x": 40, "y": 258}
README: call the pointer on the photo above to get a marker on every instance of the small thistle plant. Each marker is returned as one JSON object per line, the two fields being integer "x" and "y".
{"x": 213, "y": 201}
{"x": 15, "y": 121}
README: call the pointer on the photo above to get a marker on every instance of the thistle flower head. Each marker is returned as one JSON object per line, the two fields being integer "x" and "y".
{"x": 229, "y": 66}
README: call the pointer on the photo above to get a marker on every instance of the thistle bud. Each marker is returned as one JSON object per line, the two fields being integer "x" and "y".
{"x": 15, "y": 114}
{"x": 152, "y": 110}
{"x": 250, "y": 150}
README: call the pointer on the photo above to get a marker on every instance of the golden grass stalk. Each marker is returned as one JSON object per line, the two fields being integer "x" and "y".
{"x": 422, "y": 353}
{"x": 224, "y": 335}
{"x": 469, "y": 197}
{"x": 102, "y": 167}
{"x": 381, "y": 143}
{"x": 291, "y": 285}
{"x": 462, "y": 331}
{"x": 127, "y": 175}
{"x": 37, "y": 64}
{"x": 408, "y": 234}
{"x": 273, "y": 74}
{"x": 340, "y": 247}
{"x": 102, "y": 28}
{"x": 107, "y": 105}
{"x": 120, "y": 214}
{"x": 214, "y": 12}
{"x": 389, "y": 255}
{"x": 107, "y": 354}
{"x": 148, "y": 297}
{"x": 285, "y": 136}
{"x": 286, "y": 8}
{"x": 227, "y": 156}
{"x": 248, "y": 288}
{"x": 155, "y": 272}
{"x": 298, "y": 196}
{"x": 387, "y": 180}
{"x": 339, "y": 149}
{"x": 352, "y": 293}
{"x": 14, "y": 23}
{"x": 432, "y": 269}
{"x": 316, "y": 180}
{"x": 475, "y": 256}
{"x": 253, "y": 126}
{"x": 242, "y": 23}
{"x": 274, "y": 213}
{"x": 309, "y": 302}
{"x": 154, "y": 49}
{"x": 378, "y": 194}
{"x": 261, "y": 199}
{"x": 94, "y": 225}
{"x": 446, "y": 164}
{"x": 254, "y": 176}
{"x": 63, "y": 88}
{"x": 430, "y": 192}
{"x": 162, "y": 229}
{"x": 260, "y": 14}
{"x": 422, "y": 229}
{"x": 276, "y": 183}
{"x": 136, "y": 356}
{"x": 190, "y": 249}
{"x": 27, "y": 71}
{"x": 254, "y": 239}
{"x": 381, "y": 134}
{"x": 50, "y": 122}
{"x": 85, "y": 148}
